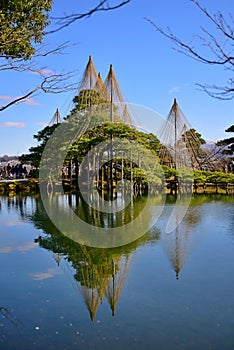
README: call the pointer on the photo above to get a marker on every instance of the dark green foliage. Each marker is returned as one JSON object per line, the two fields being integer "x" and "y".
{"x": 93, "y": 136}
{"x": 230, "y": 129}
{"x": 87, "y": 98}
{"x": 169, "y": 173}
{"x": 193, "y": 137}
{"x": 228, "y": 142}
{"x": 202, "y": 176}
{"x": 22, "y": 24}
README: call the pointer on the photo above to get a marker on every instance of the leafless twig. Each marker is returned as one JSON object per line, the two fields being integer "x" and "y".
{"x": 216, "y": 48}
{"x": 67, "y": 20}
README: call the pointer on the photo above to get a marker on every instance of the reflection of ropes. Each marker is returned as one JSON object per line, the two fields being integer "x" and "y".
{"x": 67, "y": 269}
{"x": 99, "y": 279}
{"x": 49, "y": 186}
{"x": 95, "y": 283}
{"x": 176, "y": 245}
{"x": 115, "y": 286}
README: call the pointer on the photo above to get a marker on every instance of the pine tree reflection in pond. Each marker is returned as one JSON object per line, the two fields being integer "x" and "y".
{"x": 71, "y": 305}
{"x": 100, "y": 272}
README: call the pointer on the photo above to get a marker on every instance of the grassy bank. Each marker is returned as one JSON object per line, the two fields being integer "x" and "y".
{"x": 19, "y": 186}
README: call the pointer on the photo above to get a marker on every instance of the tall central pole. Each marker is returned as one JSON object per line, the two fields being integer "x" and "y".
{"x": 90, "y": 83}
{"x": 90, "y": 107}
{"x": 111, "y": 120}
{"x": 111, "y": 94}
{"x": 175, "y": 111}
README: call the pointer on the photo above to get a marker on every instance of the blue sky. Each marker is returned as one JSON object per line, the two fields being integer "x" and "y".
{"x": 149, "y": 71}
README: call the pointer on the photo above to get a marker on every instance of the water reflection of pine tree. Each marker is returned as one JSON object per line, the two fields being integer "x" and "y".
{"x": 176, "y": 244}
{"x": 180, "y": 243}
{"x": 94, "y": 279}
{"x": 101, "y": 275}
{"x": 178, "y": 257}
{"x": 97, "y": 272}
{"x": 114, "y": 289}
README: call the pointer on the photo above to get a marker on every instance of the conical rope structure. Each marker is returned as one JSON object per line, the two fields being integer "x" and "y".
{"x": 101, "y": 88}
{"x": 90, "y": 77}
{"x": 56, "y": 119}
{"x": 181, "y": 145}
{"x": 94, "y": 95}
{"x": 118, "y": 105}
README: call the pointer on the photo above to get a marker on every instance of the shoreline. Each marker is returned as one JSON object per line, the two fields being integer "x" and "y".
{"x": 26, "y": 186}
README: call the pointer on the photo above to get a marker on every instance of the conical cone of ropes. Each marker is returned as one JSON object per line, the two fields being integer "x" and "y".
{"x": 91, "y": 90}
{"x": 181, "y": 144}
{"x": 100, "y": 87}
{"x": 89, "y": 78}
{"x": 56, "y": 119}
{"x": 119, "y": 109}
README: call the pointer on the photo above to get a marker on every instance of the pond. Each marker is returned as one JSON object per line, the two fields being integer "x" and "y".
{"x": 161, "y": 291}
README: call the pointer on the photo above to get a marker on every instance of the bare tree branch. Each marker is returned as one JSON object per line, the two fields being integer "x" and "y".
{"x": 19, "y": 99}
{"x": 20, "y": 65}
{"x": 189, "y": 50}
{"x": 219, "y": 92}
{"x": 218, "y": 20}
{"x": 218, "y": 49}
{"x": 51, "y": 82}
{"x": 65, "y": 21}
{"x": 54, "y": 83}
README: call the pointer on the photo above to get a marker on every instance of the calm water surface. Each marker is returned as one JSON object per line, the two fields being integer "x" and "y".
{"x": 163, "y": 291}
